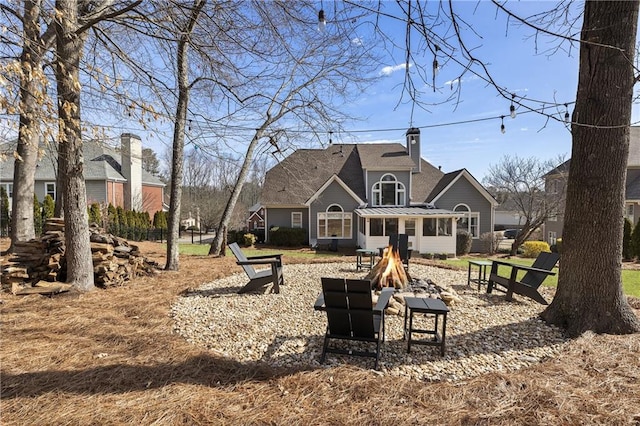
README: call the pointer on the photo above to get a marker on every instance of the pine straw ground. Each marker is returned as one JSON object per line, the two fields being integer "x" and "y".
{"x": 109, "y": 358}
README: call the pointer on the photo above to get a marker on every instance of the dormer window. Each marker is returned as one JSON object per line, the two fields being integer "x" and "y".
{"x": 388, "y": 191}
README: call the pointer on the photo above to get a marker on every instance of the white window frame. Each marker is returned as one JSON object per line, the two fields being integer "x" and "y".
{"x": 470, "y": 217}
{"x": 552, "y": 238}
{"x": 296, "y": 219}
{"x": 400, "y": 193}
{"x": 47, "y": 192}
{"x": 629, "y": 213}
{"x": 332, "y": 213}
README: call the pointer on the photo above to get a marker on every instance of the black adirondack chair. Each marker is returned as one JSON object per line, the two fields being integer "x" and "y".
{"x": 351, "y": 315}
{"x": 260, "y": 278}
{"x": 528, "y": 285}
{"x": 400, "y": 242}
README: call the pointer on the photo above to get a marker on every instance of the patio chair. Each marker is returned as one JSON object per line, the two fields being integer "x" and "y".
{"x": 260, "y": 278}
{"x": 528, "y": 285}
{"x": 400, "y": 242}
{"x": 351, "y": 316}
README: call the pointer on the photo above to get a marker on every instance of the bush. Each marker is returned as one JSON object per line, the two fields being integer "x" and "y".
{"x": 249, "y": 240}
{"x": 287, "y": 237}
{"x": 555, "y": 248}
{"x": 48, "y": 206}
{"x": 635, "y": 240}
{"x": 533, "y": 248}
{"x": 463, "y": 243}
{"x": 627, "y": 252}
{"x": 160, "y": 220}
{"x": 490, "y": 242}
{"x": 94, "y": 214}
{"x": 37, "y": 215}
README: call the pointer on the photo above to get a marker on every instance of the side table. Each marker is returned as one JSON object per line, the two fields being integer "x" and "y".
{"x": 364, "y": 253}
{"x": 482, "y": 272}
{"x": 425, "y": 305}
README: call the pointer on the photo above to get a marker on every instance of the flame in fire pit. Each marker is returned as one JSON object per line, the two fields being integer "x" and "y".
{"x": 389, "y": 271}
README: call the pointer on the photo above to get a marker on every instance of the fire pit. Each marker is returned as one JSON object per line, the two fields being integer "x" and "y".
{"x": 389, "y": 272}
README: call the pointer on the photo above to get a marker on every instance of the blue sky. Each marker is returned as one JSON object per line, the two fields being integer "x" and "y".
{"x": 514, "y": 63}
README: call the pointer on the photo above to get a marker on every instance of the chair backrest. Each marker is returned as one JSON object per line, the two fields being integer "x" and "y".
{"x": 546, "y": 261}
{"x": 400, "y": 242}
{"x": 349, "y": 307}
{"x": 248, "y": 269}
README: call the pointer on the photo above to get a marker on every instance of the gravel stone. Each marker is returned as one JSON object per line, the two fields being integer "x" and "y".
{"x": 484, "y": 332}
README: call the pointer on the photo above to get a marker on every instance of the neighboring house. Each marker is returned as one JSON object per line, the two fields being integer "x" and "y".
{"x": 256, "y": 218}
{"x": 555, "y": 181}
{"x": 508, "y": 216}
{"x": 110, "y": 176}
{"x": 360, "y": 194}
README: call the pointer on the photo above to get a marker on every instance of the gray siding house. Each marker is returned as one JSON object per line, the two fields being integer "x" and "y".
{"x": 555, "y": 181}
{"x": 359, "y": 194}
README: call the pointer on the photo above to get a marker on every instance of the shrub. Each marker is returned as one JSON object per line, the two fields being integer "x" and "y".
{"x": 627, "y": 252}
{"x": 557, "y": 247}
{"x": 94, "y": 214}
{"x": 37, "y": 215}
{"x": 533, "y": 248}
{"x": 4, "y": 211}
{"x": 48, "y": 206}
{"x": 463, "y": 243}
{"x": 249, "y": 240}
{"x": 287, "y": 237}
{"x": 490, "y": 242}
{"x": 635, "y": 240}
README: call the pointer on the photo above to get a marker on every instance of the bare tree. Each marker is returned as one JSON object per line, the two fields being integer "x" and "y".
{"x": 521, "y": 184}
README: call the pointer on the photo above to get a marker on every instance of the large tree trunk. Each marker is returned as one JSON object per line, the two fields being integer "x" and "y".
{"x": 70, "y": 158}
{"x": 177, "y": 159}
{"x": 589, "y": 294}
{"x": 32, "y": 83}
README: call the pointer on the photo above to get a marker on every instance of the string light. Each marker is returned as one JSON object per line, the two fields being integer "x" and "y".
{"x": 567, "y": 119}
{"x": 330, "y": 141}
{"x": 502, "y": 128}
{"x": 322, "y": 22}
{"x": 512, "y": 108}
{"x": 435, "y": 65}
{"x": 189, "y": 125}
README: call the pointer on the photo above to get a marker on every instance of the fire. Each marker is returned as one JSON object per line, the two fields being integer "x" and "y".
{"x": 389, "y": 271}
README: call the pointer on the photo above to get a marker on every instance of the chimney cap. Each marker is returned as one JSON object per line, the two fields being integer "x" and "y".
{"x": 130, "y": 135}
{"x": 413, "y": 131}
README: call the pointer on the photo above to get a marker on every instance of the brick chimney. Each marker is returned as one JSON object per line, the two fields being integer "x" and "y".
{"x": 413, "y": 147}
{"x": 132, "y": 171}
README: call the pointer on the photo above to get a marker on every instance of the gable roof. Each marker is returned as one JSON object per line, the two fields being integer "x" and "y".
{"x": 334, "y": 178}
{"x": 297, "y": 178}
{"x": 451, "y": 178}
{"x": 102, "y": 162}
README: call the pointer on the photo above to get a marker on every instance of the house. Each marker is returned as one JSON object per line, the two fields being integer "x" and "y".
{"x": 359, "y": 194}
{"x": 110, "y": 176}
{"x": 555, "y": 182}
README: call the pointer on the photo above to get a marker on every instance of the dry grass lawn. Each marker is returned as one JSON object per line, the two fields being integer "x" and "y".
{"x": 110, "y": 358}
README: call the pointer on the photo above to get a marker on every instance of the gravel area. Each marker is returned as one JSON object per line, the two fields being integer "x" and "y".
{"x": 484, "y": 332}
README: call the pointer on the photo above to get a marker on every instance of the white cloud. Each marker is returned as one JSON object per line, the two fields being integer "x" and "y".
{"x": 357, "y": 41}
{"x": 390, "y": 69}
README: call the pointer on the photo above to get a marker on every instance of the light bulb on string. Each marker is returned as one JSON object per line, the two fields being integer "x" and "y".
{"x": 330, "y": 141}
{"x": 322, "y": 21}
{"x": 502, "y": 128}
{"x": 512, "y": 108}
{"x": 567, "y": 119}
{"x": 189, "y": 125}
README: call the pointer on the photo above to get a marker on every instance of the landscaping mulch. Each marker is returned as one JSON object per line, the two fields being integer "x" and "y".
{"x": 110, "y": 357}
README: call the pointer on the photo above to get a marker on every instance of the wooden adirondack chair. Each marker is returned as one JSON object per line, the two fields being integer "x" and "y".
{"x": 351, "y": 315}
{"x": 400, "y": 242}
{"x": 528, "y": 285}
{"x": 260, "y": 278}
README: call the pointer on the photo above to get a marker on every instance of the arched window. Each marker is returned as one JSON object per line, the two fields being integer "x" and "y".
{"x": 334, "y": 223}
{"x": 388, "y": 191}
{"x": 470, "y": 222}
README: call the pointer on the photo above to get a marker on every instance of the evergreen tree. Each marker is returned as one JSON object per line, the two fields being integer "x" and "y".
{"x": 4, "y": 212}
{"x": 112, "y": 216}
{"x": 48, "y": 206}
{"x": 94, "y": 214}
{"x": 37, "y": 215}
{"x": 635, "y": 240}
{"x": 627, "y": 252}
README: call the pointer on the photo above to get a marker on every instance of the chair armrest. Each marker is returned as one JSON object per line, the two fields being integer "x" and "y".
{"x": 383, "y": 299}
{"x": 319, "y": 305}
{"x": 258, "y": 262}
{"x": 265, "y": 256}
{"x": 524, "y": 268}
